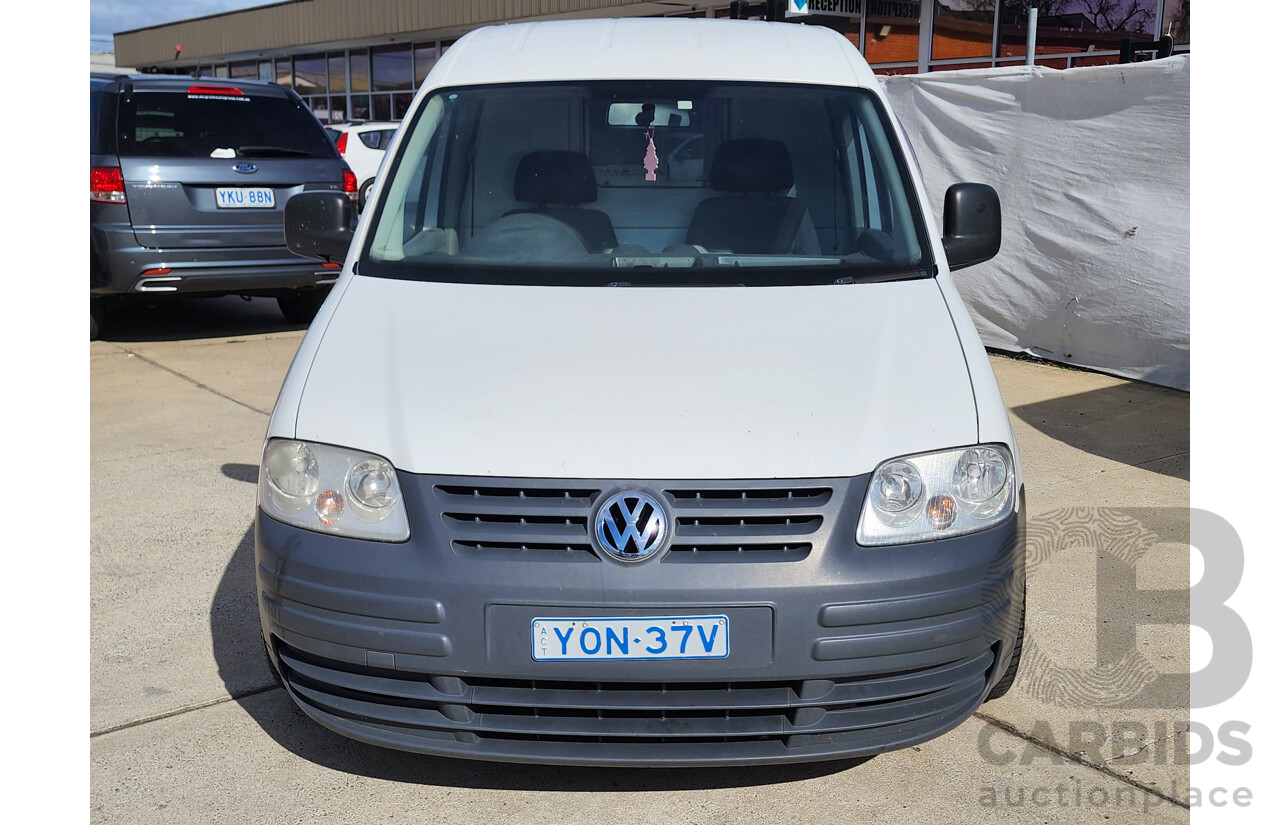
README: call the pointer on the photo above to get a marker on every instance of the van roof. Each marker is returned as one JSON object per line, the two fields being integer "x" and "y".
{"x": 652, "y": 48}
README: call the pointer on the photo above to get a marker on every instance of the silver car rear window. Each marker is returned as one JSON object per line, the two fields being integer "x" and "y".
{"x": 214, "y": 122}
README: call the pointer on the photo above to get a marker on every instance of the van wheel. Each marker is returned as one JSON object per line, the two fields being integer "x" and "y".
{"x": 271, "y": 666}
{"x": 364, "y": 193}
{"x": 1011, "y": 673}
{"x": 301, "y": 305}
{"x": 97, "y": 317}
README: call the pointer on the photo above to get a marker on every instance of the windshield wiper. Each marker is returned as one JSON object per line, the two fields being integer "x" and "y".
{"x": 271, "y": 152}
{"x": 882, "y": 276}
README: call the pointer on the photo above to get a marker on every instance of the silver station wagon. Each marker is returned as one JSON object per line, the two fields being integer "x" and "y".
{"x": 188, "y": 179}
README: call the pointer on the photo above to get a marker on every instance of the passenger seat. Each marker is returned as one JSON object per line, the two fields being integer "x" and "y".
{"x": 756, "y": 216}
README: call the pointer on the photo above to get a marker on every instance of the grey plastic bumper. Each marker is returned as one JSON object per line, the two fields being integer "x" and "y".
{"x": 120, "y": 267}
{"x": 836, "y": 651}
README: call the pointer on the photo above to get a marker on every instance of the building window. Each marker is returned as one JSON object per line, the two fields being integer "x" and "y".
{"x": 1177, "y": 21}
{"x": 310, "y": 75}
{"x": 963, "y": 28}
{"x": 359, "y": 62}
{"x": 1068, "y": 32}
{"x": 391, "y": 106}
{"x": 338, "y": 73}
{"x": 392, "y": 69}
{"x": 392, "y": 72}
{"x": 284, "y": 74}
{"x": 893, "y": 32}
{"x": 424, "y": 57}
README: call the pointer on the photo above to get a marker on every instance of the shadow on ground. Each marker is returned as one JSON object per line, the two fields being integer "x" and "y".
{"x": 238, "y": 651}
{"x": 241, "y": 472}
{"x": 1138, "y": 424}
{"x": 180, "y": 319}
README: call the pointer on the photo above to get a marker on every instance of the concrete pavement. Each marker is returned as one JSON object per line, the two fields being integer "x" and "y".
{"x": 186, "y": 724}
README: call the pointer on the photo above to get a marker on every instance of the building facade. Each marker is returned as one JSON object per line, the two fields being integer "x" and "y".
{"x": 363, "y": 59}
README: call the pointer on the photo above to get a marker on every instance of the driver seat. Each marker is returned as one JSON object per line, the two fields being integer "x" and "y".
{"x": 556, "y": 183}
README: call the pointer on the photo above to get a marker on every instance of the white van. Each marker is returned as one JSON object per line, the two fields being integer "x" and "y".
{"x": 644, "y": 425}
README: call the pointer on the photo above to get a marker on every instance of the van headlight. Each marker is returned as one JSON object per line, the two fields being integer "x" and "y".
{"x": 332, "y": 490}
{"x": 937, "y": 495}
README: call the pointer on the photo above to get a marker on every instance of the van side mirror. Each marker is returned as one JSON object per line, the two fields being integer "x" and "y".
{"x": 970, "y": 224}
{"x": 319, "y": 225}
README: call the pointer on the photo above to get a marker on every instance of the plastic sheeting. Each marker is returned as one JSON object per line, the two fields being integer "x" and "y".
{"x": 1092, "y": 166}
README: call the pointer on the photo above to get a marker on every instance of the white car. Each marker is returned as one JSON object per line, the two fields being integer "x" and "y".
{"x": 589, "y": 462}
{"x": 362, "y": 146}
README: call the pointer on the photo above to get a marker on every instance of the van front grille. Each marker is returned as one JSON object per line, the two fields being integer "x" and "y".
{"x": 712, "y": 520}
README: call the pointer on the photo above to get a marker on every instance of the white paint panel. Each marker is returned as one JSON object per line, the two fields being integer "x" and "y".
{"x": 783, "y": 382}
{"x": 652, "y": 49}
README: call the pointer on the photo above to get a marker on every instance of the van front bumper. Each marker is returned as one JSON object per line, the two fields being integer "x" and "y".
{"x": 835, "y": 650}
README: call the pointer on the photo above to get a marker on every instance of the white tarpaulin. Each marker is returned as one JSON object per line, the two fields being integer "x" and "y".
{"x": 1092, "y": 166}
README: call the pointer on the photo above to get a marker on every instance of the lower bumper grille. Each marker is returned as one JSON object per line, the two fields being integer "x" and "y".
{"x": 637, "y": 723}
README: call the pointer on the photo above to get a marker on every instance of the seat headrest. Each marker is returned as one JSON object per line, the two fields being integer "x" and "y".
{"x": 558, "y": 177}
{"x": 754, "y": 165}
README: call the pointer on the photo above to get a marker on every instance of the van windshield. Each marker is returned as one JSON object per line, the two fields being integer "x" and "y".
{"x": 635, "y": 183}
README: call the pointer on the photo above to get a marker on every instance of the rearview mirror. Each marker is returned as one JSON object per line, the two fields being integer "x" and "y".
{"x": 319, "y": 225}
{"x": 646, "y": 115}
{"x": 970, "y": 224}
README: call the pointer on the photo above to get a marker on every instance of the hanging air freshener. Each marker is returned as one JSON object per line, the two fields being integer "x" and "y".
{"x": 650, "y": 158}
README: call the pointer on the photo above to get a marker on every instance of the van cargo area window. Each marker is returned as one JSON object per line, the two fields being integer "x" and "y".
{"x": 648, "y": 183}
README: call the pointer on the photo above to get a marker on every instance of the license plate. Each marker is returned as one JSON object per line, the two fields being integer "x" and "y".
{"x": 646, "y": 637}
{"x": 245, "y": 197}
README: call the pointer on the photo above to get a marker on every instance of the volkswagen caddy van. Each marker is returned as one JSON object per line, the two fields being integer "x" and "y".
{"x": 644, "y": 425}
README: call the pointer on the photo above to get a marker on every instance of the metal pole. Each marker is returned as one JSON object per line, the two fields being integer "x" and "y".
{"x": 1032, "y": 20}
{"x": 924, "y": 49}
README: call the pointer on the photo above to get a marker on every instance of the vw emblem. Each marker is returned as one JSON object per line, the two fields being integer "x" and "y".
{"x": 246, "y": 168}
{"x": 631, "y": 525}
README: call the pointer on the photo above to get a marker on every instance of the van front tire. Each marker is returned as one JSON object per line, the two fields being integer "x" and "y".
{"x": 1011, "y": 672}
{"x": 97, "y": 317}
{"x": 301, "y": 305}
